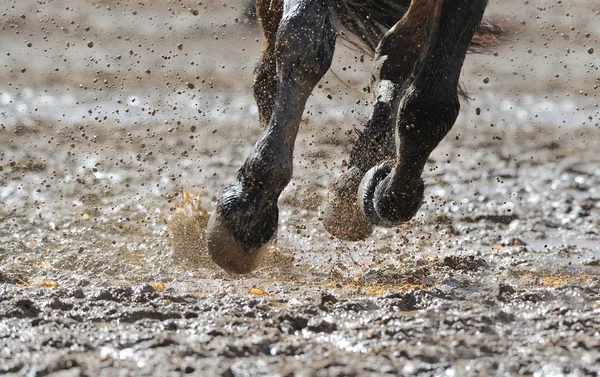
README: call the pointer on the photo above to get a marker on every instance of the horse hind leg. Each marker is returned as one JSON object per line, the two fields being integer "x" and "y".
{"x": 391, "y": 193}
{"x": 395, "y": 58}
{"x": 246, "y": 214}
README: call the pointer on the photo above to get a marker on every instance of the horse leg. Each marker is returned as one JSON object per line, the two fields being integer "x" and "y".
{"x": 269, "y": 14}
{"x": 246, "y": 215}
{"x": 392, "y": 192}
{"x": 395, "y": 58}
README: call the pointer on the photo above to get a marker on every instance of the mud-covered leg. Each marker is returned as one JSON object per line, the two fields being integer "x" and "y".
{"x": 340, "y": 213}
{"x": 395, "y": 59}
{"x": 246, "y": 215}
{"x": 391, "y": 193}
{"x": 269, "y": 14}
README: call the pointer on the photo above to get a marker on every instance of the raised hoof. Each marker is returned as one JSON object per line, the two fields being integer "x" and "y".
{"x": 381, "y": 205}
{"x": 226, "y": 252}
{"x": 340, "y": 212}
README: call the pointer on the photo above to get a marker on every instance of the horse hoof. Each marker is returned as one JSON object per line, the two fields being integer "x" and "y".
{"x": 340, "y": 213}
{"x": 367, "y": 192}
{"x": 226, "y": 252}
{"x": 382, "y": 206}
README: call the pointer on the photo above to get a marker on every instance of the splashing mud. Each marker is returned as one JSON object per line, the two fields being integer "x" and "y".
{"x": 187, "y": 230}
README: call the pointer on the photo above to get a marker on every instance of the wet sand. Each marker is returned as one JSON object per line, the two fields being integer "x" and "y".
{"x": 117, "y": 106}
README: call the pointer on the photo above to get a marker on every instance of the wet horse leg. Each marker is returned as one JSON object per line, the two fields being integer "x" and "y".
{"x": 246, "y": 215}
{"x": 395, "y": 59}
{"x": 269, "y": 14}
{"x": 391, "y": 193}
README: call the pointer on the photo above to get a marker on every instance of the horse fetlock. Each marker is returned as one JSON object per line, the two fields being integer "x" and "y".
{"x": 266, "y": 171}
{"x": 435, "y": 109}
{"x": 423, "y": 122}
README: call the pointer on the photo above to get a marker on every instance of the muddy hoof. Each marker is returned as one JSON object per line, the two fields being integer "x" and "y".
{"x": 226, "y": 252}
{"x": 340, "y": 212}
{"x": 384, "y": 204}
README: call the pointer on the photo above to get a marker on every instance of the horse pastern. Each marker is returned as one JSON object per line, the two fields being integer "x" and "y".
{"x": 251, "y": 218}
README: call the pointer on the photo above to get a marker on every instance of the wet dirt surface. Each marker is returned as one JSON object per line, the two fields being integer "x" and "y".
{"x": 109, "y": 109}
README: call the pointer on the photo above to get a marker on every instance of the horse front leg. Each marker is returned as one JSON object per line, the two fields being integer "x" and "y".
{"x": 269, "y": 13}
{"x": 246, "y": 214}
{"x": 392, "y": 192}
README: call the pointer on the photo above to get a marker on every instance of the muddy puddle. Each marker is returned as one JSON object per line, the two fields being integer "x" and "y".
{"x": 108, "y": 109}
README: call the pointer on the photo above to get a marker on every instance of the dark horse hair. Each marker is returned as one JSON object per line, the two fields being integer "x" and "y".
{"x": 362, "y": 24}
{"x": 369, "y": 20}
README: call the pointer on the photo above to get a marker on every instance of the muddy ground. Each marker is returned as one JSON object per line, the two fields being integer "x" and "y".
{"x": 109, "y": 108}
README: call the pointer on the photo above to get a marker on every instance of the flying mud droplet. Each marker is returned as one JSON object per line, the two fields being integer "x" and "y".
{"x": 90, "y": 44}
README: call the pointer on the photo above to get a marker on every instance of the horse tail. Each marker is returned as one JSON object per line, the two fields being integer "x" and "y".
{"x": 367, "y": 20}
{"x": 363, "y": 23}
{"x": 488, "y": 35}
